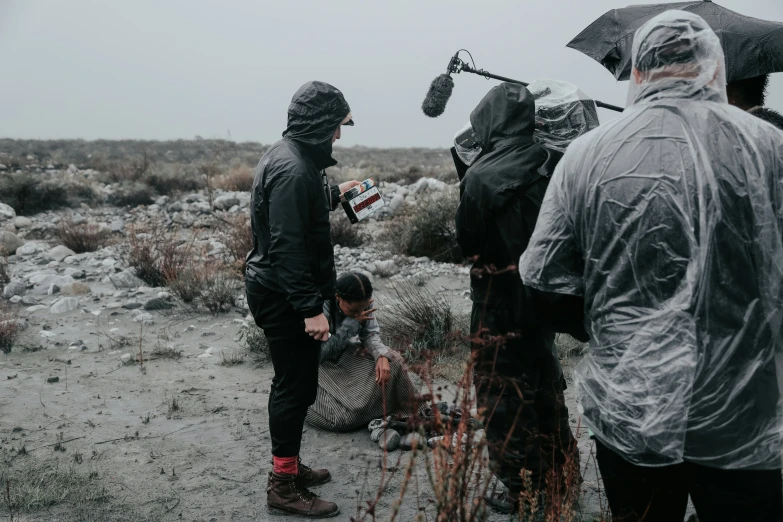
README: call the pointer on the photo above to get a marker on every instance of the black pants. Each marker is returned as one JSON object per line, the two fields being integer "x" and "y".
{"x": 295, "y": 360}
{"x": 638, "y": 493}
{"x": 520, "y": 387}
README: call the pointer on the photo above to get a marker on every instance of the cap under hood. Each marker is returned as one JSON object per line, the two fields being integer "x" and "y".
{"x": 317, "y": 109}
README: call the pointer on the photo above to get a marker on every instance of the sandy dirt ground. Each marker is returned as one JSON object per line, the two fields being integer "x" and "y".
{"x": 187, "y": 438}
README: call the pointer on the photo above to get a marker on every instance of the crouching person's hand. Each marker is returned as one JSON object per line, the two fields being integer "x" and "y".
{"x": 317, "y": 327}
{"x": 382, "y": 371}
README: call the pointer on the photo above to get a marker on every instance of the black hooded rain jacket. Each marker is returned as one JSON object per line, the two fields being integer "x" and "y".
{"x": 291, "y": 200}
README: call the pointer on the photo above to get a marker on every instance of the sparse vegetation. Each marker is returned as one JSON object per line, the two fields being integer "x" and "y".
{"x": 237, "y": 236}
{"x": 9, "y": 329}
{"x": 29, "y": 194}
{"x": 423, "y": 325}
{"x": 344, "y": 233}
{"x": 254, "y": 339}
{"x": 428, "y": 230}
{"x": 166, "y": 352}
{"x": 220, "y": 290}
{"x": 236, "y": 179}
{"x": 81, "y": 237}
{"x": 156, "y": 254}
{"x": 4, "y": 276}
{"x": 36, "y": 486}
{"x": 131, "y": 194}
{"x": 231, "y": 358}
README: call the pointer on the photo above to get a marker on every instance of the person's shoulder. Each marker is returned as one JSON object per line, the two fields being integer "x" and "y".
{"x": 286, "y": 160}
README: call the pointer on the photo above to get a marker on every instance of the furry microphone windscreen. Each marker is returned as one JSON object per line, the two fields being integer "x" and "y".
{"x": 438, "y": 95}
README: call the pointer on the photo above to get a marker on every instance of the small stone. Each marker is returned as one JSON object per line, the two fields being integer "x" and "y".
{"x": 23, "y": 222}
{"x": 34, "y": 308}
{"x": 133, "y": 305}
{"x": 126, "y": 279}
{"x": 125, "y": 358}
{"x": 145, "y": 319}
{"x": 389, "y": 441}
{"x": 9, "y": 243}
{"x": 32, "y": 248}
{"x": 14, "y": 289}
{"x": 375, "y": 424}
{"x": 157, "y": 304}
{"x": 411, "y": 440}
{"x": 117, "y": 225}
{"x": 59, "y": 253}
{"x": 225, "y": 202}
{"x": 15, "y": 299}
{"x": 75, "y": 289}
{"x": 6, "y": 212}
{"x": 64, "y": 305}
{"x": 52, "y": 380}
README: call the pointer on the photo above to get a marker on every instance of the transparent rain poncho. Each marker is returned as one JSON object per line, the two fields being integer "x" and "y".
{"x": 563, "y": 113}
{"x": 669, "y": 222}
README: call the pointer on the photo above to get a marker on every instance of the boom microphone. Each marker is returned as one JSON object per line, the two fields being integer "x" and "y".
{"x": 438, "y": 95}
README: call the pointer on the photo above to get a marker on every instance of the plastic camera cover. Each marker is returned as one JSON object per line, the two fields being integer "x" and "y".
{"x": 563, "y": 113}
{"x": 467, "y": 145}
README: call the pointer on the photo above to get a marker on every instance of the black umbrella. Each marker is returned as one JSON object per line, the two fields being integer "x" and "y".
{"x": 752, "y": 47}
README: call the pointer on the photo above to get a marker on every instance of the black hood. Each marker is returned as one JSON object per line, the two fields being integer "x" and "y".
{"x": 507, "y": 111}
{"x": 316, "y": 111}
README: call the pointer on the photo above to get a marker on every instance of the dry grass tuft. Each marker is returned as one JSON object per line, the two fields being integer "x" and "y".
{"x": 237, "y": 179}
{"x": 34, "y": 486}
{"x": 220, "y": 289}
{"x": 9, "y": 329}
{"x": 345, "y": 233}
{"x": 156, "y": 254}
{"x": 237, "y": 236}
{"x": 4, "y": 276}
{"x": 81, "y": 237}
{"x": 427, "y": 230}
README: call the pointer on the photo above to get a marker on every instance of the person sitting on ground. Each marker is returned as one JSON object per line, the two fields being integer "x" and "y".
{"x": 360, "y": 379}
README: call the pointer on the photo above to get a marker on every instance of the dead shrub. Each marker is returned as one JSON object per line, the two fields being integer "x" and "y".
{"x": 237, "y": 236}
{"x": 428, "y": 229}
{"x": 237, "y": 179}
{"x": 188, "y": 284}
{"x": 4, "y": 276}
{"x": 345, "y": 233}
{"x": 131, "y": 195}
{"x": 220, "y": 289}
{"x": 423, "y": 325}
{"x": 254, "y": 339}
{"x": 81, "y": 237}
{"x": 156, "y": 254}
{"x": 9, "y": 329}
{"x": 30, "y": 194}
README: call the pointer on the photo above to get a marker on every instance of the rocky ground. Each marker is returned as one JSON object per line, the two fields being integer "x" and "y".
{"x": 185, "y": 436}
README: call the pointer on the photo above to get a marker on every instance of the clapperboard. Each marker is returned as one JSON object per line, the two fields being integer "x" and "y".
{"x": 362, "y": 200}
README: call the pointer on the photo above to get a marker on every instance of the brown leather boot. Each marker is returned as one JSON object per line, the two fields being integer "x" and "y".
{"x": 287, "y": 495}
{"x": 310, "y": 477}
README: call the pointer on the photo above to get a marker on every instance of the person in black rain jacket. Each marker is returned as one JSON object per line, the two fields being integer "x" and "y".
{"x": 289, "y": 274}
{"x": 518, "y": 379}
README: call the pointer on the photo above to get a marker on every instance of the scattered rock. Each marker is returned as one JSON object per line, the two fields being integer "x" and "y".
{"x": 64, "y": 305}
{"x": 49, "y": 284}
{"x": 52, "y": 380}
{"x": 133, "y": 305}
{"x": 9, "y": 243}
{"x": 117, "y": 225}
{"x": 6, "y": 212}
{"x": 34, "y": 308}
{"x": 75, "y": 289}
{"x": 157, "y": 304}
{"x": 375, "y": 436}
{"x": 14, "y": 289}
{"x": 32, "y": 248}
{"x": 225, "y": 202}
{"x": 389, "y": 441}
{"x": 125, "y": 358}
{"x": 145, "y": 319}
{"x": 410, "y": 440}
{"x": 126, "y": 279}
{"x": 59, "y": 253}
{"x": 23, "y": 222}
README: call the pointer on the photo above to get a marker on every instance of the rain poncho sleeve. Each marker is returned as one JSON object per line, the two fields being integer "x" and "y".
{"x": 669, "y": 222}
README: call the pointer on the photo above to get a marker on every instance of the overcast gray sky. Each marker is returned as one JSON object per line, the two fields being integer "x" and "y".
{"x": 166, "y": 69}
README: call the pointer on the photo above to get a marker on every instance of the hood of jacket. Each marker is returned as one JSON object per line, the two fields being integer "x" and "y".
{"x": 505, "y": 114}
{"x": 317, "y": 109}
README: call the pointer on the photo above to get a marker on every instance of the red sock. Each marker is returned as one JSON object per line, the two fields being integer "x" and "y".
{"x": 286, "y": 465}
